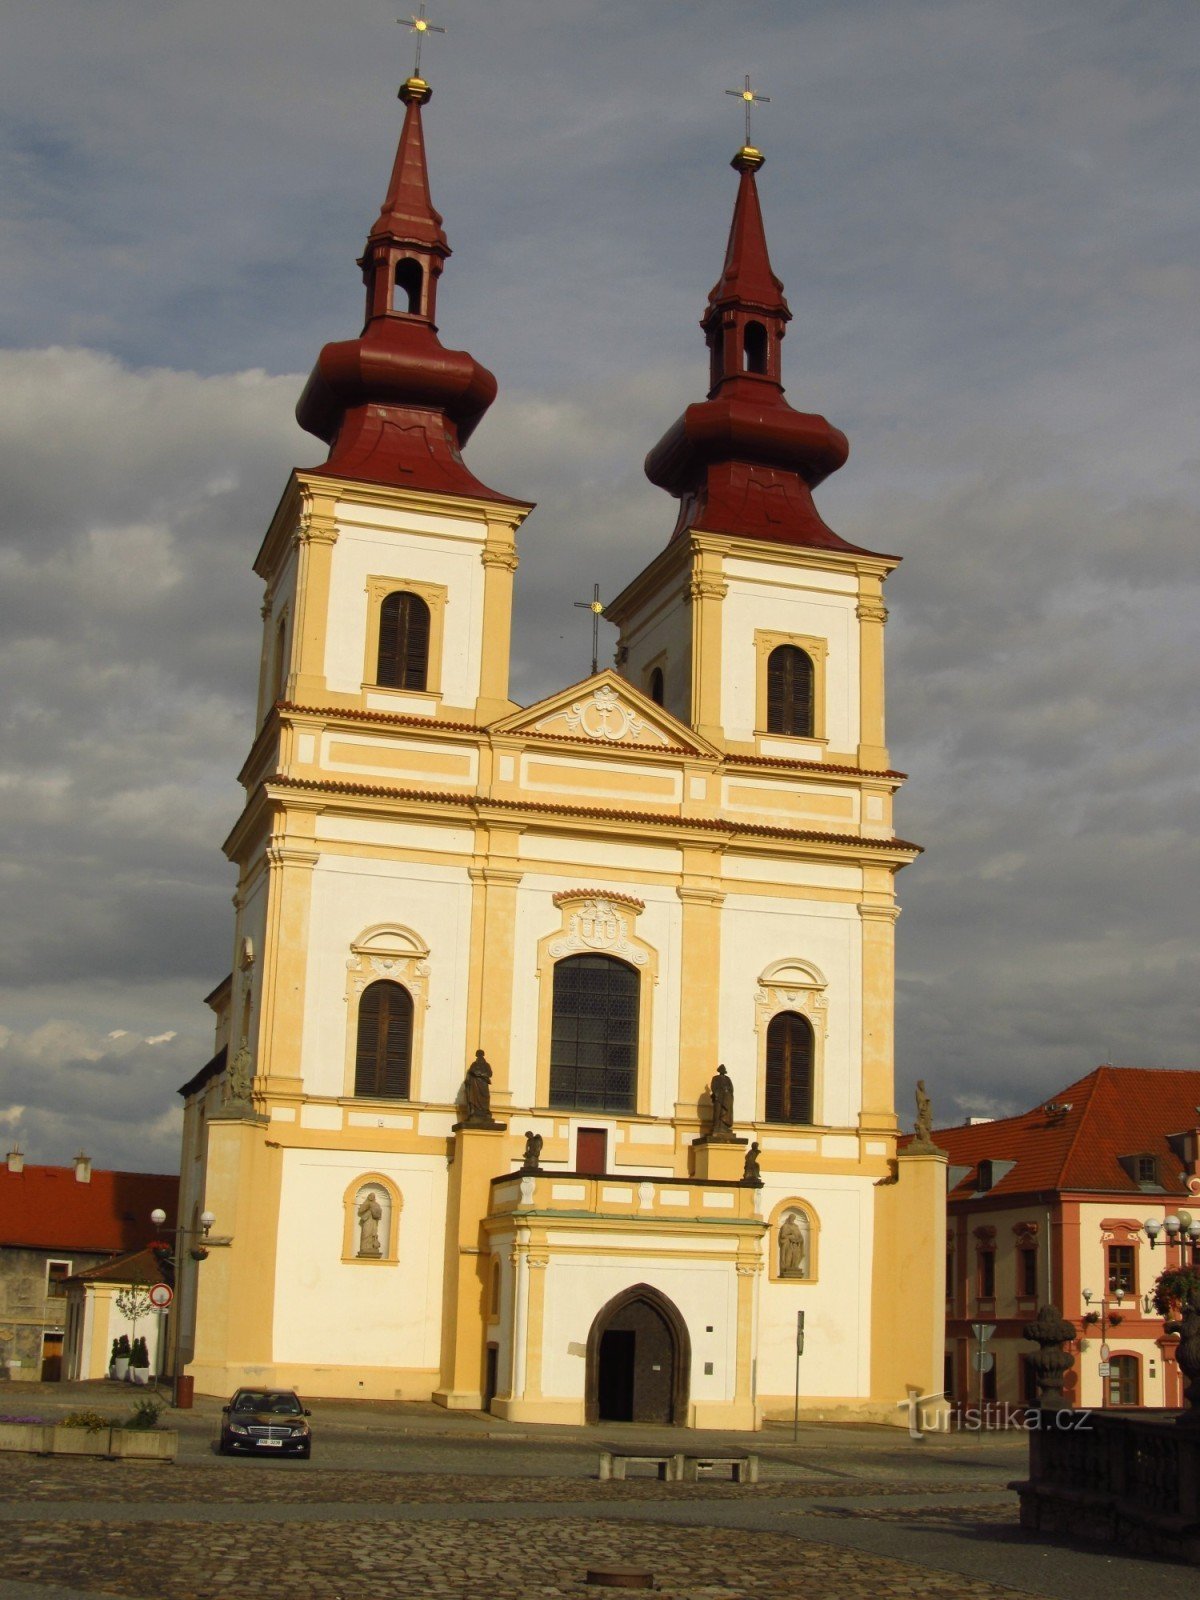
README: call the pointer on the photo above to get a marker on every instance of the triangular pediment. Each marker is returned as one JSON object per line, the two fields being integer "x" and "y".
{"x": 606, "y": 710}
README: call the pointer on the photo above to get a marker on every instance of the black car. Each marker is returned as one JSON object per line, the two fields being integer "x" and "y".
{"x": 266, "y": 1419}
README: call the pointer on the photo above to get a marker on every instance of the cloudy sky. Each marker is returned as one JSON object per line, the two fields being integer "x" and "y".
{"x": 985, "y": 213}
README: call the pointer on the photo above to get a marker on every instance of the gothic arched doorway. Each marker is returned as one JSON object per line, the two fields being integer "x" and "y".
{"x": 638, "y": 1360}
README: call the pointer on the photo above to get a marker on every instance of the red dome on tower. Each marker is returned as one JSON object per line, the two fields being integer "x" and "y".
{"x": 394, "y": 405}
{"x": 743, "y": 462}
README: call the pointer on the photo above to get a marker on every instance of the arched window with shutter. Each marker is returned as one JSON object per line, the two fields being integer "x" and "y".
{"x": 790, "y": 692}
{"x": 789, "y": 1086}
{"x": 403, "y": 642}
{"x": 383, "y": 1058}
{"x": 594, "y": 1038}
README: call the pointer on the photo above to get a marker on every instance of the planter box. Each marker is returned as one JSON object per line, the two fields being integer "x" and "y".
{"x": 77, "y": 1441}
{"x": 144, "y": 1444}
{"x": 119, "y": 1368}
{"x": 23, "y": 1436}
{"x": 139, "y": 1374}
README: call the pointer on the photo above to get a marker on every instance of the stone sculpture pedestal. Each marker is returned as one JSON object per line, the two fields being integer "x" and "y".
{"x": 722, "y": 1160}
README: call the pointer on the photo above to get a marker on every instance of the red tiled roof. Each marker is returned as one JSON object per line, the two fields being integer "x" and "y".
{"x": 47, "y": 1208}
{"x": 1113, "y": 1112}
{"x": 141, "y": 1266}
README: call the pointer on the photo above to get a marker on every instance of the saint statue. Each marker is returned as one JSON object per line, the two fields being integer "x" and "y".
{"x": 239, "y": 1077}
{"x": 533, "y": 1152}
{"x": 791, "y": 1248}
{"x": 478, "y": 1091}
{"x": 750, "y": 1170}
{"x": 721, "y": 1090}
{"x": 923, "y": 1127}
{"x": 370, "y": 1214}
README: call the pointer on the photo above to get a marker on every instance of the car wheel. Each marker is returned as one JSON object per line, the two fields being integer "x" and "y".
{"x": 305, "y": 1452}
{"x": 224, "y": 1449}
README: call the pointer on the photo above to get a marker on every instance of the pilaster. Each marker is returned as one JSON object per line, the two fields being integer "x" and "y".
{"x": 499, "y": 558}
{"x": 872, "y": 615}
{"x": 480, "y": 1154}
{"x": 700, "y": 972}
{"x": 705, "y": 593}
{"x": 493, "y": 930}
{"x": 878, "y": 915}
{"x": 291, "y": 857}
{"x": 315, "y": 537}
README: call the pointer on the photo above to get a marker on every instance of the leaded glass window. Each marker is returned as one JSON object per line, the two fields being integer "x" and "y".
{"x": 594, "y": 1035}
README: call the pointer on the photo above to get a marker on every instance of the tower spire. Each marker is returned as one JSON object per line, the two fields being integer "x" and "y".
{"x": 743, "y": 462}
{"x": 394, "y": 405}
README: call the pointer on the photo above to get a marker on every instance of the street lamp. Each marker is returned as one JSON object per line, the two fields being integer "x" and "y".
{"x": 198, "y": 1253}
{"x": 1177, "y": 1229}
{"x": 1107, "y": 1319}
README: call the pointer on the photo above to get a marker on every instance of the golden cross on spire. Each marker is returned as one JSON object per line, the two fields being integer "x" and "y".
{"x": 747, "y": 94}
{"x": 420, "y": 25}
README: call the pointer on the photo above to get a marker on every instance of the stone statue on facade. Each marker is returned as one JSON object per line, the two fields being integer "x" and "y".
{"x": 791, "y": 1248}
{"x": 721, "y": 1090}
{"x": 239, "y": 1077}
{"x": 750, "y": 1169}
{"x": 923, "y": 1127}
{"x": 477, "y": 1095}
{"x": 531, "y": 1159}
{"x": 370, "y": 1215}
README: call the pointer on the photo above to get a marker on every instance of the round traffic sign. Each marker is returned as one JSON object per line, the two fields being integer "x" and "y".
{"x": 983, "y": 1361}
{"x": 160, "y": 1295}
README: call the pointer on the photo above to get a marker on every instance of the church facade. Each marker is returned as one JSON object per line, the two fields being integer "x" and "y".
{"x": 554, "y": 1074}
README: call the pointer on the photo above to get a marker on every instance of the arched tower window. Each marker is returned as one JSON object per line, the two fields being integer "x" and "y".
{"x": 408, "y": 282}
{"x": 594, "y": 1036}
{"x": 656, "y": 686}
{"x": 403, "y": 642}
{"x": 790, "y": 692}
{"x": 754, "y": 348}
{"x": 789, "y": 1096}
{"x": 383, "y": 1058}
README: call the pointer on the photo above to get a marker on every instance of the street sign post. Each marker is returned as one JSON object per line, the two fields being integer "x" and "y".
{"x": 799, "y": 1353}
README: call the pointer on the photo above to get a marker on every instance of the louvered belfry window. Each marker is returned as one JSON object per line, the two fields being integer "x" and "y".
{"x": 383, "y": 1060}
{"x": 790, "y": 692}
{"x": 789, "y": 1068}
{"x": 403, "y": 642}
{"x": 594, "y": 1037}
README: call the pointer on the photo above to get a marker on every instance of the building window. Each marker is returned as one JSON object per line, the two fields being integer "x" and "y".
{"x": 383, "y": 1057}
{"x": 986, "y": 1275}
{"x": 403, "y": 642}
{"x": 789, "y": 1086}
{"x": 754, "y": 347}
{"x": 1124, "y": 1381}
{"x": 790, "y": 692}
{"x": 594, "y": 1034}
{"x": 1027, "y": 1272}
{"x": 655, "y": 688}
{"x": 1121, "y": 1269}
{"x": 1147, "y": 1169}
{"x": 57, "y": 1273}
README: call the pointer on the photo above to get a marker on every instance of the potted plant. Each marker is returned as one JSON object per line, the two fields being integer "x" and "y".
{"x": 112, "y": 1360}
{"x": 1177, "y": 1301}
{"x": 121, "y": 1354}
{"x": 139, "y": 1362}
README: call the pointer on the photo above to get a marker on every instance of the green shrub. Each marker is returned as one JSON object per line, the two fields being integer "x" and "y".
{"x": 1173, "y": 1288}
{"x": 91, "y": 1420}
{"x": 145, "y": 1415}
{"x": 123, "y": 1347}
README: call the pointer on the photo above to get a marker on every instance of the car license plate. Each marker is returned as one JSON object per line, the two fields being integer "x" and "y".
{"x": 271, "y": 1444}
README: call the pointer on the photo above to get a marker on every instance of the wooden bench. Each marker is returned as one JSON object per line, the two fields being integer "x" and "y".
{"x": 743, "y": 1468}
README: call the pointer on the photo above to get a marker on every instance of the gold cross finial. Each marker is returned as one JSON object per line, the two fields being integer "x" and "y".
{"x": 420, "y": 25}
{"x": 747, "y": 94}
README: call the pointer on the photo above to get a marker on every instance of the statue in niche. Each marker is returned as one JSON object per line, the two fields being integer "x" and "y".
{"x": 750, "y": 1171}
{"x": 791, "y": 1247}
{"x": 238, "y": 1077}
{"x": 532, "y": 1156}
{"x": 477, "y": 1094}
{"x": 370, "y": 1215}
{"x": 721, "y": 1090}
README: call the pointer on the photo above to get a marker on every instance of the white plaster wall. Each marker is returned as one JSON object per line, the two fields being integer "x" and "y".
{"x": 668, "y": 632}
{"x": 783, "y": 600}
{"x": 351, "y": 894}
{"x": 345, "y": 1313}
{"x": 704, "y": 1292}
{"x": 659, "y": 926}
{"x": 755, "y": 933}
{"x": 416, "y": 550}
{"x": 837, "y": 1307}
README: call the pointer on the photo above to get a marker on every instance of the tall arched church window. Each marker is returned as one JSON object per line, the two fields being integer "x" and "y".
{"x": 403, "y": 642}
{"x": 790, "y": 692}
{"x": 383, "y": 1058}
{"x": 594, "y": 1035}
{"x": 656, "y": 686}
{"x": 789, "y": 1096}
